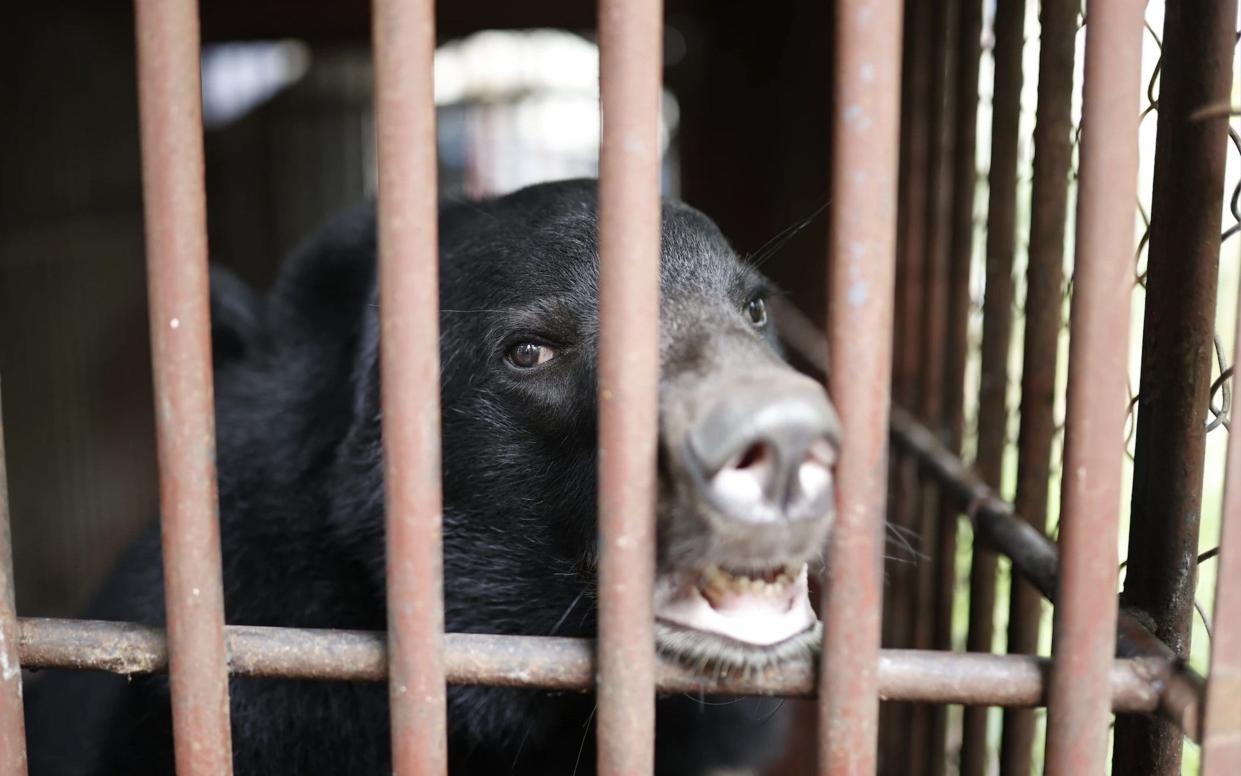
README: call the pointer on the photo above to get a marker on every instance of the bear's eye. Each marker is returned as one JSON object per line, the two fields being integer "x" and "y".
{"x": 756, "y": 311}
{"x": 527, "y": 355}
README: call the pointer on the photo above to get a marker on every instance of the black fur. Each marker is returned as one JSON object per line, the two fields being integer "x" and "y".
{"x": 301, "y": 496}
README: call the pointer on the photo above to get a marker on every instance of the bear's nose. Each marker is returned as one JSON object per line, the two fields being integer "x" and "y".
{"x": 765, "y": 451}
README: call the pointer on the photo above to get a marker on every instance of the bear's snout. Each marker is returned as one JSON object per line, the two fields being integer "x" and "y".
{"x": 763, "y": 451}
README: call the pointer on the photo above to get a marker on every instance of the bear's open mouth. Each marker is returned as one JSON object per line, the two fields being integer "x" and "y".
{"x": 758, "y": 607}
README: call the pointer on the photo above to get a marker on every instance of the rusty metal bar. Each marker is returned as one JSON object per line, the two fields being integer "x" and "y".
{"x": 12, "y": 719}
{"x": 561, "y": 664}
{"x": 404, "y": 45}
{"x": 1049, "y": 209}
{"x": 1221, "y": 733}
{"x": 964, "y": 184}
{"x": 1181, "y": 279}
{"x": 961, "y": 234}
{"x": 900, "y": 610}
{"x": 861, "y": 260}
{"x": 1043, "y": 320}
{"x": 996, "y": 333}
{"x": 926, "y": 737}
{"x": 630, "y": 75}
{"x": 1085, "y": 617}
{"x": 176, "y": 243}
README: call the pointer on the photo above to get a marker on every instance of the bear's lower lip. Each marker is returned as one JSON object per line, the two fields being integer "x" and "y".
{"x": 756, "y": 608}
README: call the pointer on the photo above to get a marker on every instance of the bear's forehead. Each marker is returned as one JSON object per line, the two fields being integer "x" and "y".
{"x": 523, "y": 258}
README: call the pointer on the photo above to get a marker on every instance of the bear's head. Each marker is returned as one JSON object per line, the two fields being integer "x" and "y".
{"x": 746, "y": 442}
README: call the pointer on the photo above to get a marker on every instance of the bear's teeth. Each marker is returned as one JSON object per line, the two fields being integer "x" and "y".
{"x": 716, "y": 583}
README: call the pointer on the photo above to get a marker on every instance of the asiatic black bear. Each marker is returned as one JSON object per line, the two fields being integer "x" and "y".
{"x": 745, "y": 497}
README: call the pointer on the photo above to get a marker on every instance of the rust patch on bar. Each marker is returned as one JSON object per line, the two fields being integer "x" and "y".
{"x": 176, "y": 243}
{"x": 404, "y": 41}
{"x": 861, "y": 266}
{"x": 630, "y": 75}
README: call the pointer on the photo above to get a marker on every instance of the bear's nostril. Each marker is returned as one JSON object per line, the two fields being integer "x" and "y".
{"x": 764, "y": 450}
{"x": 812, "y": 479}
{"x": 753, "y": 456}
{"x": 765, "y": 482}
{"x": 747, "y": 480}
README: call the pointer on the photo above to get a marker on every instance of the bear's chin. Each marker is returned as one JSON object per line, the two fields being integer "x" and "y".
{"x": 714, "y": 619}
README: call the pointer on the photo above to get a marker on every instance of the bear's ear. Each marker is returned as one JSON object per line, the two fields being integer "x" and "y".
{"x": 236, "y": 315}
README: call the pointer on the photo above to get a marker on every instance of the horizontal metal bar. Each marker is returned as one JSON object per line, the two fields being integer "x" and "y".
{"x": 557, "y": 664}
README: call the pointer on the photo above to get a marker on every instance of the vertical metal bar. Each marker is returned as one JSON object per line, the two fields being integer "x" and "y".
{"x": 12, "y": 720}
{"x": 952, "y": 234}
{"x": 404, "y": 41}
{"x": 935, "y": 605}
{"x": 996, "y": 333}
{"x": 961, "y": 236}
{"x": 912, "y": 275}
{"x": 630, "y": 70}
{"x": 924, "y": 519}
{"x": 1182, "y": 272}
{"x": 961, "y": 232}
{"x": 1221, "y": 724}
{"x": 1085, "y": 621}
{"x": 1044, "y": 317}
{"x": 169, "y": 105}
{"x": 899, "y": 611}
{"x": 861, "y": 263}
